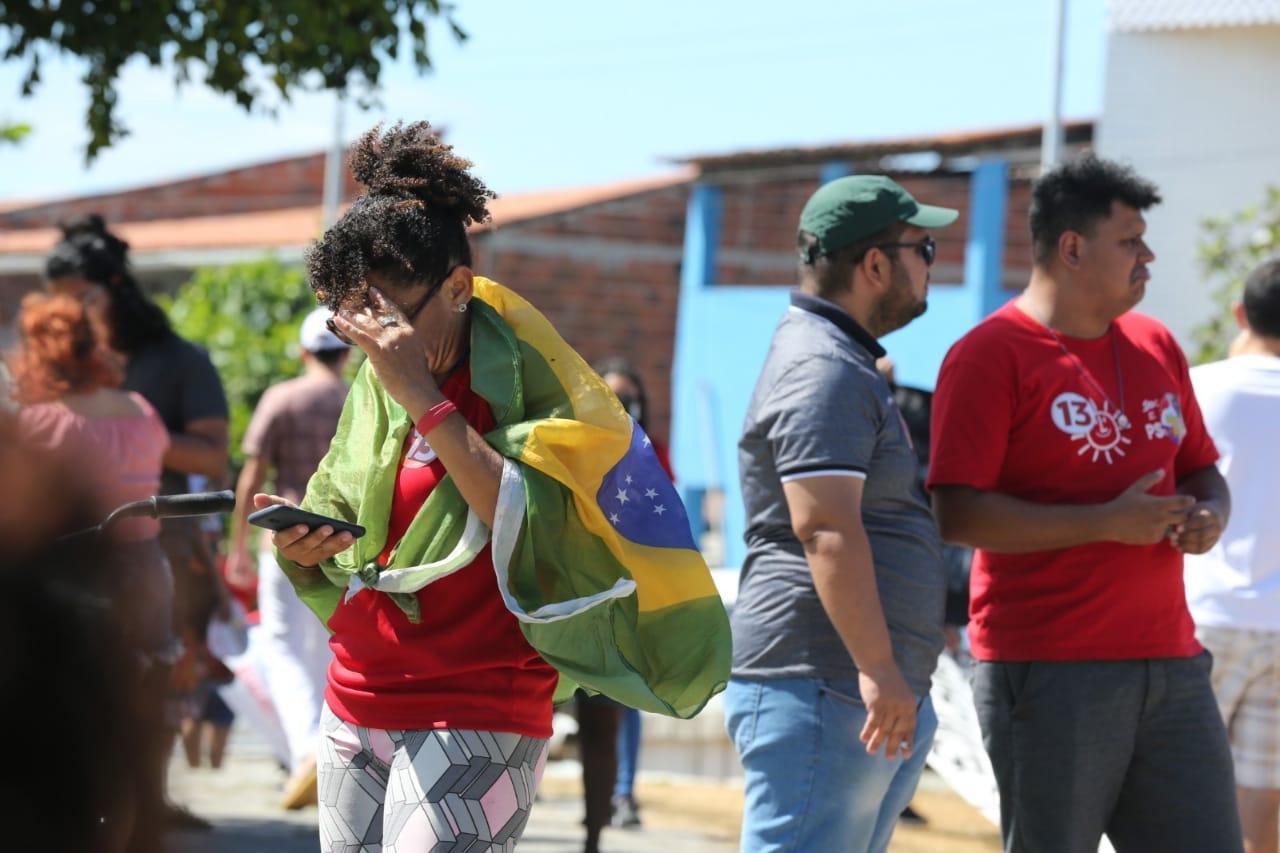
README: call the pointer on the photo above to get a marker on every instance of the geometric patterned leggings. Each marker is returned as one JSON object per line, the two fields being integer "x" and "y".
{"x": 391, "y": 791}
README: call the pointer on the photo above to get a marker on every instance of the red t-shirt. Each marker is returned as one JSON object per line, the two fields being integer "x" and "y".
{"x": 466, "y": 665}
{"x": 1013, "y": 414}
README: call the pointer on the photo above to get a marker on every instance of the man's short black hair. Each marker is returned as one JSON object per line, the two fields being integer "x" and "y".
{"x": 1262, "y": 299}
{"x": 1075, "y": 195}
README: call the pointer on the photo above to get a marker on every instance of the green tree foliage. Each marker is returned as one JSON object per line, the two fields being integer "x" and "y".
{"x": 248, "y": 317}
{"x": 1230, "y": 249}
{"x": 238, "y": 48}
{"x": 12, "y": 133}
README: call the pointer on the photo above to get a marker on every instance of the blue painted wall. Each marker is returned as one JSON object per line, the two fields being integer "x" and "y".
{"x": 723, "y": 334}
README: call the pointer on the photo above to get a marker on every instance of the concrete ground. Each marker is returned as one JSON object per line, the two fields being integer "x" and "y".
{"x": 681, "y": 816}
{"x": 241, "y": 801}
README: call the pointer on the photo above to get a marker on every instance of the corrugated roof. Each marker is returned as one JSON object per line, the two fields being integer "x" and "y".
{"x": 521, "y": 207}
{"x": 168, "y": 185}
{"x": 263, "y": 229}
{"x": 952, "y": 144}
{"x": 298, "y": 226}
{"x": 16, "y": 204}
{"x": 1149, "y": 15}
{"x": 175, "y": 184}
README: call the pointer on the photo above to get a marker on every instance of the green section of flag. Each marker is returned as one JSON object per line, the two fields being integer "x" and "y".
{"x": 669, "y": 661}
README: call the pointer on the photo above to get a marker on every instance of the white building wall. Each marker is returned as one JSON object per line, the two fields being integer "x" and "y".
{"x": 1198, "y": 112}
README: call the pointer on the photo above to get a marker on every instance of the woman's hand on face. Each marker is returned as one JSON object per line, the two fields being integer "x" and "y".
{"x": 395, "y": 351}
{"x": 299, "y": 544}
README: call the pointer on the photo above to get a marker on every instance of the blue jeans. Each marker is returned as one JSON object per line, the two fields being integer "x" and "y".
{"x": 810, "y": 784}
{"x": 628, "y": 753}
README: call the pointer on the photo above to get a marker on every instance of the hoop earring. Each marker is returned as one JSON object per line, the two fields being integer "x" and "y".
{"x": 462, "y": 309}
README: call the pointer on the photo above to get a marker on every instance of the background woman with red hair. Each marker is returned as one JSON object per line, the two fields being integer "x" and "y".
{"x": 91, "y": 264}
{"x": 67, "y": 382}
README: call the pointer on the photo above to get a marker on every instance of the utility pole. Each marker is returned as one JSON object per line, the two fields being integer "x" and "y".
{"x": 1051, "y": 137}
{"x": 333, "y": 166}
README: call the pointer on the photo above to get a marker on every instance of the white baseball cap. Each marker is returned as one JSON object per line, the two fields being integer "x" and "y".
{"x": 315, "y": 335}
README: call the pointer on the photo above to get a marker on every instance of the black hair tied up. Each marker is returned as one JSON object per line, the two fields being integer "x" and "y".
{"x": 89, "y": 251}
{"x": 410, "y": 225}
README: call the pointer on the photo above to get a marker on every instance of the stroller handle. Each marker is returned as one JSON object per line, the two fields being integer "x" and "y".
{"x": 175, "y": 506}
{"x": 199, "y": 503}
{"x": 167, "y": 506}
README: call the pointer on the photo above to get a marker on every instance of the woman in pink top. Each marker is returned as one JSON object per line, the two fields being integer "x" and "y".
{"x": 67, "y": 383}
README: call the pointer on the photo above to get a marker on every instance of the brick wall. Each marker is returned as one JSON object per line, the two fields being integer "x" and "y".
{"x": 12, "y": 288}
{"x": 1017, "y": 235}
{"x": 761, "y": 211}
{"x": 607, "y": 277}
{"x": 295, "y": 182}
{"x": 758, "y": 220}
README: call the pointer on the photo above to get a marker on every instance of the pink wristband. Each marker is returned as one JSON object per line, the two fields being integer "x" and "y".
{"x": 435, "y": 416}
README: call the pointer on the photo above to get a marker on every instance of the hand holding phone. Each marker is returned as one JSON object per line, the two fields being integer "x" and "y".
{"x": 302, "y": 537}
{"x": 283, "y": 516}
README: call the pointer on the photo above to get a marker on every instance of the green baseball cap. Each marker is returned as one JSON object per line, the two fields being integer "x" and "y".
{"x": 852, "y": 208}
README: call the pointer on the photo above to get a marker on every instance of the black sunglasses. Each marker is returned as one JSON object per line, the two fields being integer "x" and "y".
{"x": 927, "y": 248}
{"x": 410, "y": 315}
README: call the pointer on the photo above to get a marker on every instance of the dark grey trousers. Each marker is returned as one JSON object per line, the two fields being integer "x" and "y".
{"x": 1135, "y": 749}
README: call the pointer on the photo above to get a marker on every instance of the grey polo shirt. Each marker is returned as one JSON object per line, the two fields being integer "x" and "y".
{"x": 820, "y": 408}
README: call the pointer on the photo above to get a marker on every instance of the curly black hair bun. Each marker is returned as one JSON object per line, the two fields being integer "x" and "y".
{"x": 410, "y": 226}
{"x": 411, "y": 162}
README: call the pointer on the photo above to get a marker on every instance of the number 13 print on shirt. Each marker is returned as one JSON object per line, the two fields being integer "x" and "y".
{"x": 1099, "y": 430}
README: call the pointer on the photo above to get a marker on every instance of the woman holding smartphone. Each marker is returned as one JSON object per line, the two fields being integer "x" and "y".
{"x": 470, "y": 415}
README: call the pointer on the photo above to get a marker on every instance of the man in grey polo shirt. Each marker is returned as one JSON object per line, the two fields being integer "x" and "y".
{"x": 838, "y": 622}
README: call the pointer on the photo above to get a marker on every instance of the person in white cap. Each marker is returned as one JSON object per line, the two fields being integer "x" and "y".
{"x": 287, "y": 437}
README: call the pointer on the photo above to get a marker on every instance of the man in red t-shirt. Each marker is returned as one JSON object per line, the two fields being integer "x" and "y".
{"x": 1068, "y": 449}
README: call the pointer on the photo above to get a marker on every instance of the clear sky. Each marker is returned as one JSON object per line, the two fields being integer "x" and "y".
{"x": 567, "y": 92}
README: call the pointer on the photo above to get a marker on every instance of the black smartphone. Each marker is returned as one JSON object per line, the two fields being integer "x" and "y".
{"x": 279, "y": 517}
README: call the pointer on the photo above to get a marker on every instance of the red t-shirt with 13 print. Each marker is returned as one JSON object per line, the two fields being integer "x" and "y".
{"x": 1015, "y": 414}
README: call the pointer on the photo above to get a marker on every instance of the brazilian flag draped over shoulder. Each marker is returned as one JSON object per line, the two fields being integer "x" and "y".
{"x": 591, "y": 545}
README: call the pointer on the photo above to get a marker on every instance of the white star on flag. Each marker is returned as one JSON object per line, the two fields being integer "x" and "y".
{"x": 613, "y": 516}
{"x": 622, "y": 495}
{"x": 650, "y": 493}
{"x": 647, "y": 442}
{"x": 659, "y": 509}
{"x": 628, "y": 479}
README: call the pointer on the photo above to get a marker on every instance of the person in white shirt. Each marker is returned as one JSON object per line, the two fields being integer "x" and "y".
{"x": 1233, "y": 590}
